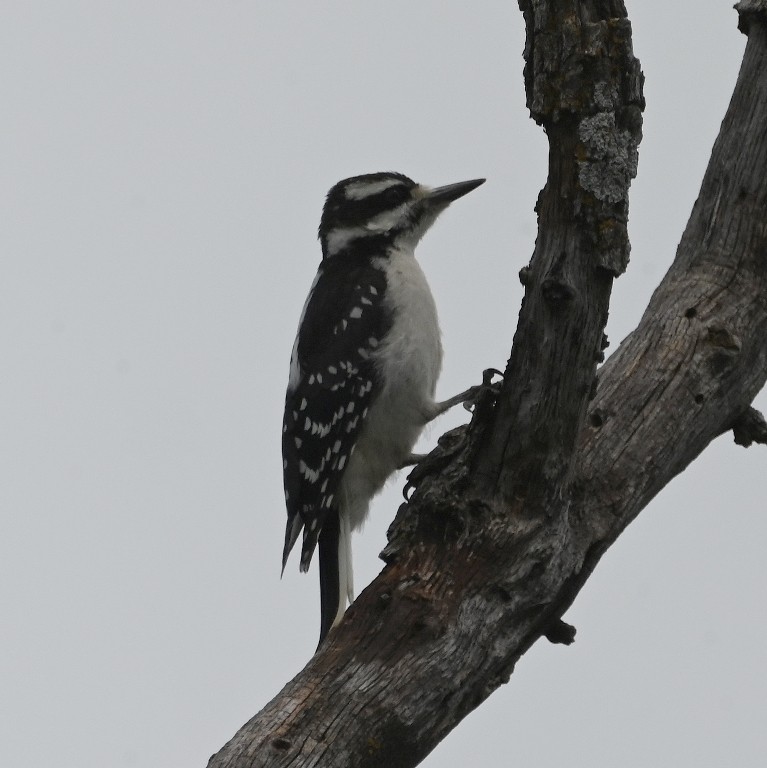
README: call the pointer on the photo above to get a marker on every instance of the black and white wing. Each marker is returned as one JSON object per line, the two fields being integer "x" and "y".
{"x": 333, "y": 381}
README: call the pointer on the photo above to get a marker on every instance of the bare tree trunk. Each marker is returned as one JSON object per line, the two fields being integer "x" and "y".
{"x": 511, "y": 515}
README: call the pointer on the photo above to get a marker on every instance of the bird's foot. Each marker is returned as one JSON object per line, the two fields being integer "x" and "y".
{"x": 488, "y": 388}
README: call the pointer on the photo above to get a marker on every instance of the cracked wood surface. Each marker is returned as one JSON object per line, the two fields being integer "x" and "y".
{"x": 499, "y": 537}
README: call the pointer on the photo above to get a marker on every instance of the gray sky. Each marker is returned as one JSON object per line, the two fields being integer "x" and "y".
{"x": 162, "y": 171}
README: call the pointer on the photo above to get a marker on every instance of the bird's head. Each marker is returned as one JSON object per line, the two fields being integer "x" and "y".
{"x": 373, "y": 212}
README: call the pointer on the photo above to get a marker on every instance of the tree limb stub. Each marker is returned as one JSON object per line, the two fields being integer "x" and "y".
{"x": 493, "y": 546}
{"x": 750, "y": 10}
{"x": 750, "y": 427}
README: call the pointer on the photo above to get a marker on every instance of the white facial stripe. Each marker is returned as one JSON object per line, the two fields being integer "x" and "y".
{"x": 387, "y": 220}
{"x": 359, "y": 190}
{"x": 338, "y": 239}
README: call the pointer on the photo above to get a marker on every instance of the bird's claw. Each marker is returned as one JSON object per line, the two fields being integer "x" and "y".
{"x": 487, "y": 387}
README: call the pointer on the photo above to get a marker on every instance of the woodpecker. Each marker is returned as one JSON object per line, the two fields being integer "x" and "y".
{"x": 363, "y": 370}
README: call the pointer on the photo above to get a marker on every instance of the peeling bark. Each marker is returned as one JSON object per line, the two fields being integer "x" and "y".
{"x": 510, "y": 515}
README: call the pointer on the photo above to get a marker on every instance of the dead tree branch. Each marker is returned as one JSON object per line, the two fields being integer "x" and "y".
{"x": 512, "y": 514}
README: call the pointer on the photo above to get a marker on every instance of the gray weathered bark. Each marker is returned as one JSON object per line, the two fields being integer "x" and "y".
{"x": 510, "y": 516}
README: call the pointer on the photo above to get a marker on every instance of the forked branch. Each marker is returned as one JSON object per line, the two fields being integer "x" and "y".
{"x": 512, "y": 516}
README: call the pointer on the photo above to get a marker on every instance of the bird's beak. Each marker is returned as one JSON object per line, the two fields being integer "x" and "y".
{"x": 445, "y": 195}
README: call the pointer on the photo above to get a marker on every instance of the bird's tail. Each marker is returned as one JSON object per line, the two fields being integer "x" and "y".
{"x": 336, "y": 577}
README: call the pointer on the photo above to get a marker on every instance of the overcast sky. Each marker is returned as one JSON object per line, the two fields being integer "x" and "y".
{"x": 162, "y": 172}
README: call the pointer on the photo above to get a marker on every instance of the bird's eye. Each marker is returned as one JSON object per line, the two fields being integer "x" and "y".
{"x": 395, "y": 195}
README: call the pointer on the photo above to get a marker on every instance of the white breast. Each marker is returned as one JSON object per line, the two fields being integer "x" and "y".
{"x": 408, "y": 360}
